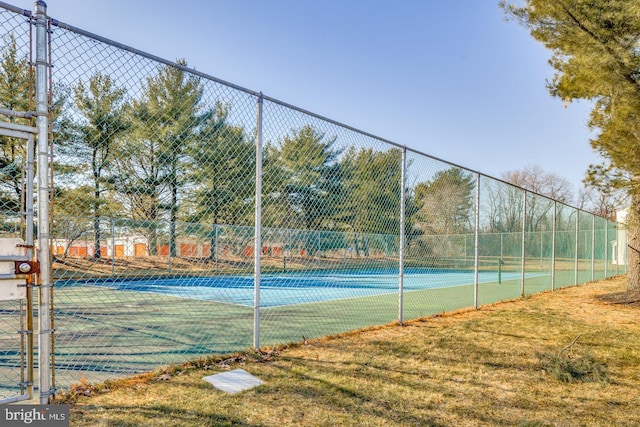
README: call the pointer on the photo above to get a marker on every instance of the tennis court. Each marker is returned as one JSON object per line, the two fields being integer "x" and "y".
{"x": 278, "y": 290}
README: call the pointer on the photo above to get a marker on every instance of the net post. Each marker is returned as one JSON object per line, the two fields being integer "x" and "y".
{"x": 403, "y": 184}
{"x": 257, "y": 226}
{"x": 476, "y": 245}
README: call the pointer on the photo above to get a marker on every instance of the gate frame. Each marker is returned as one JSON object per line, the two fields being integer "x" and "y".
{"x": 26, "y": 348}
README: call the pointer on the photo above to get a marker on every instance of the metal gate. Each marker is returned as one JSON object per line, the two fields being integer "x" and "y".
{"x": 16, "y": 284}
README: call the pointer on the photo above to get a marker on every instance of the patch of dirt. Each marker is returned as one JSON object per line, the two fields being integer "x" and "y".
{"x": 627, "y": 298}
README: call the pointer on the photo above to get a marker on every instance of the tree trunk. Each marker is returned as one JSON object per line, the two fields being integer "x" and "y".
{"x": 96, "y": 224}
{"x": 214, "y": 237}
{"x": 633, "y": 240}
{"x": 173, "y": 246}
{"x": 96, "y": 237}
{"x": 153, "y": 232}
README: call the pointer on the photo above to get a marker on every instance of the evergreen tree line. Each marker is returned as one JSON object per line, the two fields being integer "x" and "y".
{"x": 170, "y": 156}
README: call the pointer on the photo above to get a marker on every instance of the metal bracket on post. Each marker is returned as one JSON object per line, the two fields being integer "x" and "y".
{"x": 27, "y": 267}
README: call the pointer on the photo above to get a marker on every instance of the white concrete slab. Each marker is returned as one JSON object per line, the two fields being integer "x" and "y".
{"x": 233, "y": 382}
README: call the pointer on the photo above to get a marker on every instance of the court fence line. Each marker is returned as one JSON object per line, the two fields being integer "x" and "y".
{"x": 148, "y": 169}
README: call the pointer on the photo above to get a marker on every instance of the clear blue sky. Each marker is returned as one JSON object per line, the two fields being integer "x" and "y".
{"x": 447, "y": 77}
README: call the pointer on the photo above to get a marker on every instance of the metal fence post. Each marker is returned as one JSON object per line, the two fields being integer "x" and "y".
{"x": 42, "y": 111}
{"x": 575, "y": 267}
{"x": 606, "y": 249}
{"x": 476, "y": 245}
{"x": 617, "y": 252}
{"x": 29, "y": 222}
{"x": 113, "y": 247}
{"x": 554, "y": 229}
{"x": 403, "y": 184}
{"x": 593, "y": 247}
{"x": 614, "y": 254}
{"x": 524, "y": 241}
{"x": 501, "y": 259}
{"x": 257, "y": 227}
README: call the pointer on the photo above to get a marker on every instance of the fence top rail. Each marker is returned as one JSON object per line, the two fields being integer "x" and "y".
{"x": 260, "y": 95}
{"x": 15, "y": 9}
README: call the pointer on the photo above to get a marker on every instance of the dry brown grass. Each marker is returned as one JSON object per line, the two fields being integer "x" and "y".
{"x": 475, "y": 368}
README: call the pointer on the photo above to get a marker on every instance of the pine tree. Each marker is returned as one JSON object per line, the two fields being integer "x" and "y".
{"x": 223, "y": 172}
{"x": 15, "y": 94}
{"x": 596, "y": 57}
{"x": 166, "y": 120}
{"x": 87, "y": 139}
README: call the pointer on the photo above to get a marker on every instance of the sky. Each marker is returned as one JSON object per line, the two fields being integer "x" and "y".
{"x": 449, "y": 78}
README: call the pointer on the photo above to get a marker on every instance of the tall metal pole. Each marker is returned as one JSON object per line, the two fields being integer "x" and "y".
{"x": 575, "y": 267}
{"x": 553, "y": 246}
{"x": 403, "y": 184}
{"x": 524, "y": 241}
{"x": 617, "y": 251}
{"x": 593, "y": 247}
{"x": 29, "y": 219}
{"x": 501, "y": 259}
{"x": 44, "y": 315}
{"x": 476, "y": 245}
{"x": 113, "y": 247}
{"x": 29, "y": 214}
{"x": 257, "y": 247}
{"x": 606, "y": 249}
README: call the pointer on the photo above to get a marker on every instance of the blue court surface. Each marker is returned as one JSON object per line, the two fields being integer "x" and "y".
{"x": 294, "y": 288}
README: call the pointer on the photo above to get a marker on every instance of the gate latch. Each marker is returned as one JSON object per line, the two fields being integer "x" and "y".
{"x": 27, "y": 267}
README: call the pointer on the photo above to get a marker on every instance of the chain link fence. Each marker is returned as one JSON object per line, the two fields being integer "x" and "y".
{"x": 155, "y": 253}
{"x": 16, "y": 93}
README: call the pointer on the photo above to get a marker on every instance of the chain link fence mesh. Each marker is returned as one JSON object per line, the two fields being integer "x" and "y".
{"x": 16, "y": 93}
{"x": 154, "y": 214}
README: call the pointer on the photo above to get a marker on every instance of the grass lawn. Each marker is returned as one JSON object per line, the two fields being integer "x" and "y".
{"x": 474, "y": 368}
